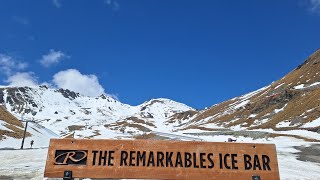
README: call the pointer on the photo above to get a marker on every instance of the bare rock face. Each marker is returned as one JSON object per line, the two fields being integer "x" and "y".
{"x": 1, "y": 97}
{"x": 68, "y": 94}
{"x": 18, "y": 98}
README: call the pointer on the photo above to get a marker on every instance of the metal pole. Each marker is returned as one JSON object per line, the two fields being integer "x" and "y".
{"x": 24, "y": 134}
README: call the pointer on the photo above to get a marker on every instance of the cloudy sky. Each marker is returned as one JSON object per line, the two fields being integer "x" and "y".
{"x": 196, "y": 52}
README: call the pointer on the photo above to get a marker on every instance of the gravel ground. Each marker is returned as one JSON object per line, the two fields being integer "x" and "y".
{"x": 311, "y": 153}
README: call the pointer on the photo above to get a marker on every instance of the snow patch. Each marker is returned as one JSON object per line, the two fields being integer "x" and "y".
{"x": 313, "y": 123}
{"x": 278, "y": 86}
{"x": 252, "y": 116}
{"x": 301, "y": 86}
{"x": 278, "y": 110}
{"x": 285, "y": 123}
{"x": 243, "y": 103}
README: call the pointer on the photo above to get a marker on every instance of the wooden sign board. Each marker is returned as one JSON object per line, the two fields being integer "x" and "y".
{"x": 151, "y": 159}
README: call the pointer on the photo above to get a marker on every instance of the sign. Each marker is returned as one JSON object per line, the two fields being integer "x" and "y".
{"x": 152, "y": 159}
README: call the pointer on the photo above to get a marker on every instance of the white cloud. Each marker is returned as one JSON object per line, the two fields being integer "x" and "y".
{"x": 114, "y": 96}
{"x": 315, "y": 5}
{"x": 9, "y": 65}
{"x": 22, "y": 79}
{"x": 113, "y": 4}
{"x": 56, "y": 3}
{"x": 53, "y": 57}
{"x": 73, "y": 80}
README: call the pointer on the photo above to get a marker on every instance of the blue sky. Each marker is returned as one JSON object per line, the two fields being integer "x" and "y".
{"x": 196, "y": 52}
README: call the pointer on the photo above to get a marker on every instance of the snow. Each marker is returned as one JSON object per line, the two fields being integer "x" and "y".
{"x": 301, "y": 133}
{"x": 198, "y": 123}
{"x": 291, "y": 168}
{"x": 309, "y": 110}
{"x": 249, "y": 95}
{"x": 243, "y": 103}
{"x": 259, "y": 122}
{"x": 278, "y": 110}
{"x": 41, "y": 137}
{"x": 313, "y": 123}
{"x": 278, "y": 86}
{"x": 23, "y": 164}
{"x": 301, "y": 86}
{"x": 283, "y": 124}
{"x": 238, "y": 127}
{"x": 2, "y": 127}
{"x": 314, "y": 84}
{"x": 252, "y": 115}
{"x": 244, "y": 99}
{"x": 161, "y": 109}
{"x": 211, "y": 126}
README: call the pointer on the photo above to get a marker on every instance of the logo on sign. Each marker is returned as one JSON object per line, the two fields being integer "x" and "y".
{"x": 71, "y": 157}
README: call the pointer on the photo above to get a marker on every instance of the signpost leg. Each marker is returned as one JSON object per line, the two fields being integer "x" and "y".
{"x": 67, "y": 175}
{"x": 256, "y": 177}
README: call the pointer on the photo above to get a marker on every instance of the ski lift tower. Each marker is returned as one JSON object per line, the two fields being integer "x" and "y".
{"x": 25, "y": 129}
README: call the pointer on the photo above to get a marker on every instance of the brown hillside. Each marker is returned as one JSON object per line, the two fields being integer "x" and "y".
{"x": 14, "y": 127}
{"x": 131, "y": 122}
{"x": 286, "y": 104}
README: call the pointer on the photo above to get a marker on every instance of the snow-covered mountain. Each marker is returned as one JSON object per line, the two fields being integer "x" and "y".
{"x": 64, "y": 112}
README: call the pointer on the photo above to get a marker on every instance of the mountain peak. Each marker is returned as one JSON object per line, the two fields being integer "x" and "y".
{"x": 313, "y": 59}
{"x": 164, "y": 102}
{"x": 305, "y": 74}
